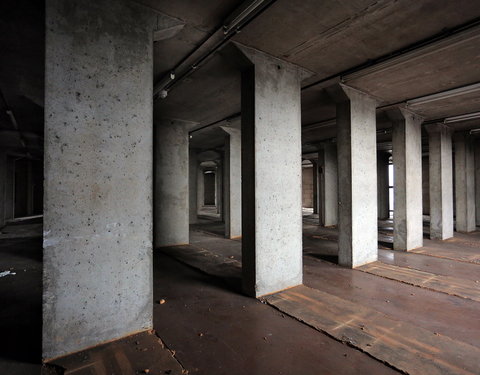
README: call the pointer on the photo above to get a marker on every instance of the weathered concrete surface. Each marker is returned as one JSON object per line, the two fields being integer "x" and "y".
{"x": 407, "y": 163}
{"x": 441, "y": 183}
{"x": 330, "y": 185}
{"x": 316, "y": 195}
{"x": 477, "y": 181}
{"x": 357, "y": 168}
{"x": 464, "y": 182}
{"x": 192, "y": 185}
{"x": 98, "y": 173}
{"x": 383, "y": 185}
{"x": 232, "y": 182}
{"x": 271, "y": 174}
{"x": 171, "y": 193}
{"x": 219, "y": 187}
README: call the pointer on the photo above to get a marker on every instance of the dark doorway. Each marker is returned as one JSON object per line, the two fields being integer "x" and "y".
{"x": 209, "y": 181}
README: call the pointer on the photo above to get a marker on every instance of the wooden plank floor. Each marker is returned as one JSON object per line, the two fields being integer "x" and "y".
{"x": 445, "y": 284}
{"x": 402, "y": 345}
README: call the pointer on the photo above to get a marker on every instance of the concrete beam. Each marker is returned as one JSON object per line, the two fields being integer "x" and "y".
{"x": 407, "y": 163}
{"x": 97, "y": 270}
{"x": 271, "y": 173}
{"x": 233, "y": 183}
{"x": 171, "y": 192}
{"x": 357, "y": 179}
{"x": 464, "y": 182}
{"x": 441, "y": 182}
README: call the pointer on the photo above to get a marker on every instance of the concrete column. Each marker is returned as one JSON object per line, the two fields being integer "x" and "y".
{"x": 357, "y": 168}
{"x": 477, "y": 181}
{"x": 441, "y": 183}
{"x": 9, "y": 189}
{"x": 3, "y": 184}
{"x": 315, "y": 185}
{"x": 192, "y": 185}
{"x": 464, "y": 182}
{"x": 200, "y": 189}
{"x": 271, "y": 173}
{"x": 97, "y": 269}
{"x": 383, "y": 186}
{"x": 407, "y": 164}
{"x": 233, "y": 183}
{"x": 171, "y": 195}
{"x": 330, "y": 185}
{"x": 219, "y": 188}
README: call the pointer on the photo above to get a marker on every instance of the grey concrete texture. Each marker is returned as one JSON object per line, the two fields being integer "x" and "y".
{"x": 271, "y": 174}
{"x": 477, "y": 181}
{"x": 407, "y": 163}
{"x": 192, "y": 185}
{"x": 98, "y": 173}
{"x": 383, "y": 185}
{"x": 219, "y": 187}
{"x": 357, "y": 176}
{"x": 233, "y": 182}
{"x": 330, "y": 185}
{"x": 315, "y": 178}
{"x": 171, "y": 190}
{"x": 200, "y": 188}
{"x": 464, "y": 182}
{"x": 440, "y": 181}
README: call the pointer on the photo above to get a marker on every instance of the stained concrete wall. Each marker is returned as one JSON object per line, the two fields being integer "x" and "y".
{"x": 98, "y": 173}
{"x": 171, "y": 195}
{"x": 307, "y": 187}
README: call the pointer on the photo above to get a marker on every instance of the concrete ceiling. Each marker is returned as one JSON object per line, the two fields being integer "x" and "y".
{"x": 334, "y": 39}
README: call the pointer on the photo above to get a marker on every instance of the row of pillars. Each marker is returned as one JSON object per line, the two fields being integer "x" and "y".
{"x": 101, "y": 211}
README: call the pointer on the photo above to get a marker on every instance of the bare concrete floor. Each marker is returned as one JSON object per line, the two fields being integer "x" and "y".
{"x": 341, "y": 322}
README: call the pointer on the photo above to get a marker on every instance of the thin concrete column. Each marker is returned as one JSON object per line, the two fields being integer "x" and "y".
{"x": 233, "y": 183}
{"x": 440, "y": 180}
{"x": 383, "y": 186}
{"x": 171, "y": 195}
{"x": 315, "y": 185}
{"x": 97, "y": 269}
{"x": 192, "y": 185}
{"x": 407, "y": 164}
{"x": 200, "y": 188}
{"x": 330, "y": 185}
{"x": 219, "y": 188}
{"x": 464, "y": 182}
{"x": 477, "y": 181}
{"x": 357, "y": 180}
{"x": 271, "y": 173}
{"x": 3, "y": 184}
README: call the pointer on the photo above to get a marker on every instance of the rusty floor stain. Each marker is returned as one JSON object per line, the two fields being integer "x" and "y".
{"x": 404, "y": 346}
{"x": 445, "y": 284}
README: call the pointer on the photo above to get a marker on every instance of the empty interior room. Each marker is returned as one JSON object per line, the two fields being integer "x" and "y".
{"x": 240, "y": 187}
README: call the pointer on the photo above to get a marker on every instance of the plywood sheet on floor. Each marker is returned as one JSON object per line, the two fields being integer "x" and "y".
{"x": 404, "y": 346}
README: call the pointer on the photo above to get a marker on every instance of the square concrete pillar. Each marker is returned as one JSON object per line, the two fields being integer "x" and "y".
{"x": 357, "y": 176}
{"x": 192, "y": 185}
{"x": 315, "y": 185}
{"x": 407, "y": 164}
{"x": 171, "y": 194}
{"x": 271, "y": 172}
{"x": 441, "y": 182}
{"x": 464, "y": 182}
{"x": 97, "y": 270}
{"x": 232, "y": 182}
{"x": 383, "y": 186}
{"x": 477, "y": 181}
{"x": 219, "y": 188}
{"x": 3, "y": 184}
{"x": 200, "y": 188}
{"x": 330, "y": 185}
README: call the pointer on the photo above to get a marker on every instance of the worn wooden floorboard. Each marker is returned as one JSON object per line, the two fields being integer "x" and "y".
{"x": 445, "y": 284}
{"x": 404, "y": 346}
